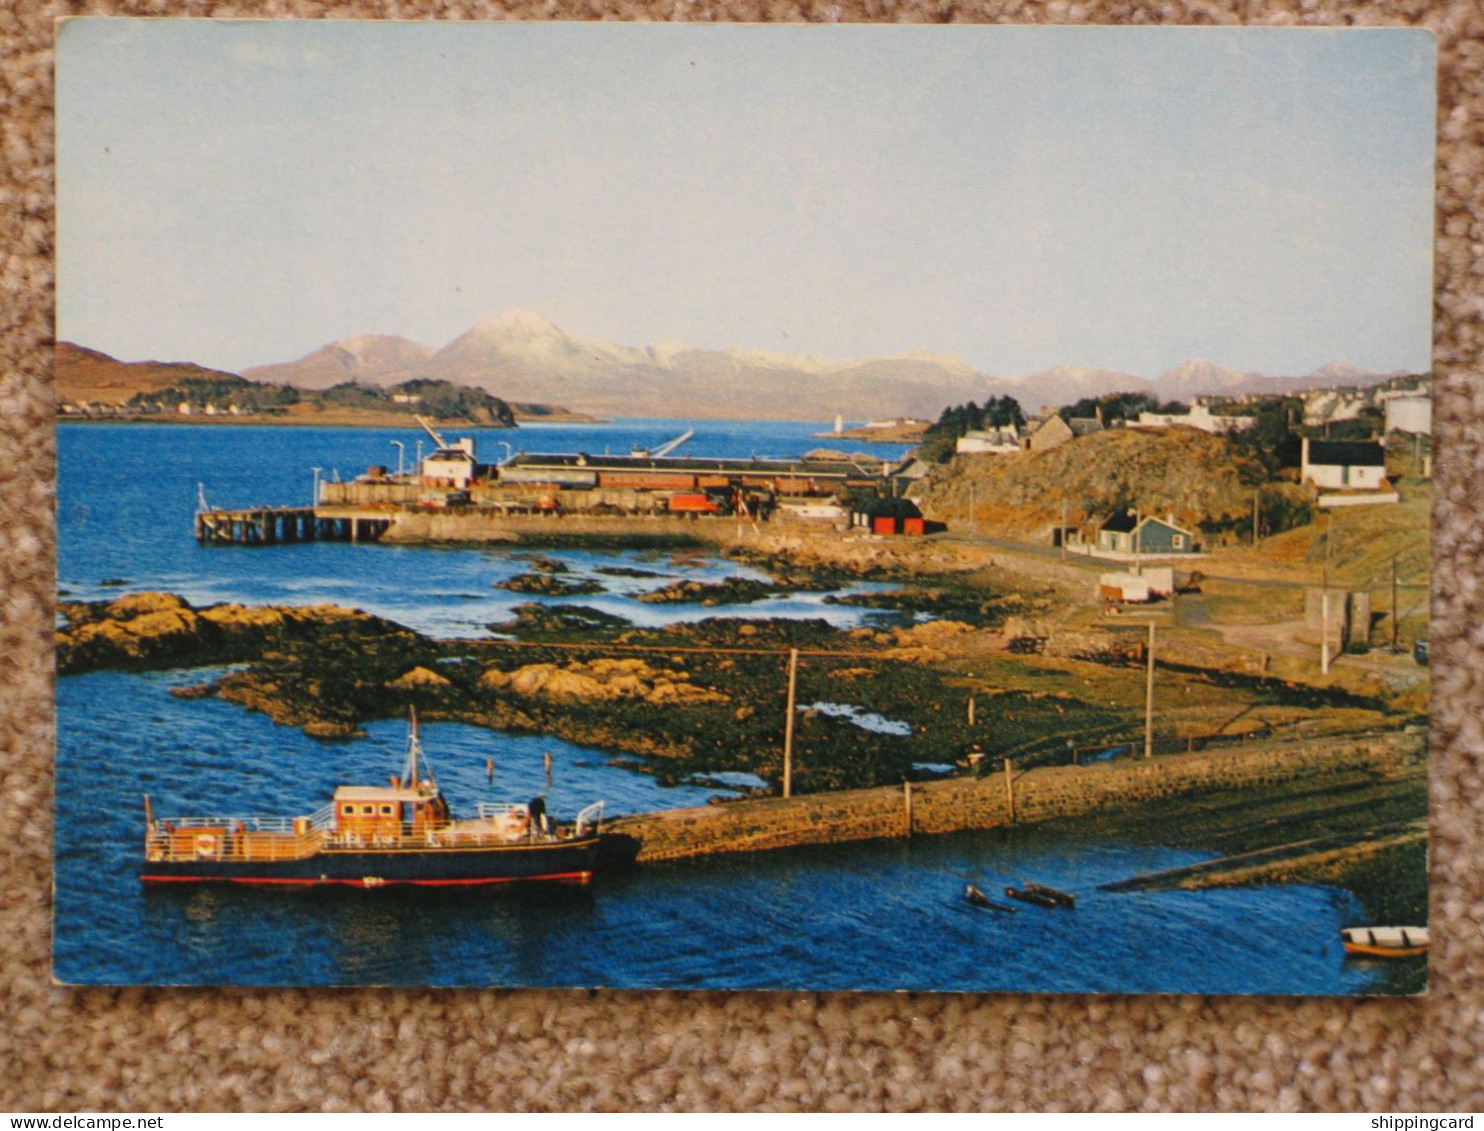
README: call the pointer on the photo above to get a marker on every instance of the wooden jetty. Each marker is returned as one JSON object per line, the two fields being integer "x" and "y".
{"x": 270, "y": 526}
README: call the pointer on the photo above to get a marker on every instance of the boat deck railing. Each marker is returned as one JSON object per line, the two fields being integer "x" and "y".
{"x": 490, "y": 810}
{"x": 446, "y": 837}
{"x": 591, "y": 816}
{"x": 230, "y": 843}
{"x": 321, "y": 820}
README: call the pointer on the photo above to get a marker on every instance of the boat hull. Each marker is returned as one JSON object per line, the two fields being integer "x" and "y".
{"x": 1362, "y": 950}
{"x": 569, "y": 862}
{"x": 1384, "y": 942}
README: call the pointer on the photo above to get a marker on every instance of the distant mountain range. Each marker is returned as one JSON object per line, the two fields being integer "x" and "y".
{"x": 522, "y": 357}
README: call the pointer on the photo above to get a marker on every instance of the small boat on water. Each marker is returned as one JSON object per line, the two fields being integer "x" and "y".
{"x": 376, "y": 836}
{"x": 1026, "y": 895}
{"x": 1060, "y": 898}
{"x": 1385, "y": 942}
{"x": 976, "y": 896}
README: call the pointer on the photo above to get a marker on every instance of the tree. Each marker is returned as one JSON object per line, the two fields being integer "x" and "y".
{"x": 941, "y": 438}
{"x": 1117, "y": 406}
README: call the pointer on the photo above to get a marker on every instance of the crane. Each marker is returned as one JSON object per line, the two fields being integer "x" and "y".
{"x": 433, "y": 432}
{"x": 667, "y": 447}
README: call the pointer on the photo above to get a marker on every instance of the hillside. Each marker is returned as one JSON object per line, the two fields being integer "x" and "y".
{"x": 85, "y": 375}
{"x": 1199, "y": 478}
{"x": 91, "y": 384}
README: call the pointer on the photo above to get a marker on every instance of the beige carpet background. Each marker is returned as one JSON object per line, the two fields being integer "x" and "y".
{"x": 167, "y": 1050}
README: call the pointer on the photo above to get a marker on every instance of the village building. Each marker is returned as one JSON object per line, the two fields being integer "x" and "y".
{"x": 907, "y": 474}
{"x": 993, "y": 441}
{"x": 1043, "y": 435}
{"x": 1409, "y": 414}
{"x": 1125, "y": 533}
{"x": 1343, "y": 464}
{"x": 887, "y": 516}
{"x": 1199, "y": 417}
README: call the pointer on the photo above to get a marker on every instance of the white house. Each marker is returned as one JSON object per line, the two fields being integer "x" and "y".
{"x": 1200, "y": 416}
{"x": 1344, "y": 464}
{"x": 1409, "y": 414}
{"x": 996, "y": 441}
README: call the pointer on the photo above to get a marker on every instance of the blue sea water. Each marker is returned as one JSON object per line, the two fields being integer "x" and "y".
{"x": 888, "y": 915}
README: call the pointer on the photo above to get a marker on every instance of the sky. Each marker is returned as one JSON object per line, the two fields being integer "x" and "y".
{"x": 241, "y": 193}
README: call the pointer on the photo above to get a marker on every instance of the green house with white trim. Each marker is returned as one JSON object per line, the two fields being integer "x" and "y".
{"x": 1122, "y": 533}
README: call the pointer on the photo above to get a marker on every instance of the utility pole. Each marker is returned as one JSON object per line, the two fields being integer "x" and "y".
{"x": 1138, "y": 541}
{"x": 973, "y": 523}
{"x": 1393, "y": 603}
{"x": 1324, "y": 631}
{"x": 788, "y": 726}
{"x": 1256, "y": 493}
{"x": 1329, "y": 541}
{"x": 1063, "y": 538}
{"x": 1149, "y": 699}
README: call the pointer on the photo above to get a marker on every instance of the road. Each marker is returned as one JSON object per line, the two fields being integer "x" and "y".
{"x": 1100, "y": 565}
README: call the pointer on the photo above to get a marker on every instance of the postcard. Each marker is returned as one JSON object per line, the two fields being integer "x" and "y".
{"x": 828, "y": 508}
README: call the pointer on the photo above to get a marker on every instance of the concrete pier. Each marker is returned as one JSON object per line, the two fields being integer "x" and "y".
{"x": 998, "y": 800}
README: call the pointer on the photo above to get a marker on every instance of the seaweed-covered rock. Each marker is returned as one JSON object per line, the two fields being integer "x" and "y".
{"x": 163, "y": 630}
{"x": 549, "y": 585}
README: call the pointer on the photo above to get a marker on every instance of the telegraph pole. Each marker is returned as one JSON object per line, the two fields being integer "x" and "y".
{"x": 1329, "y": 540}
{"x": 1393, "y": 603}
{"x": 1256, "y": 493}
{"x": 788, "y": 726}
{"x": 1063, "y": 538}
{"x": 1324, "y": 631}
{"x": 1149, "y": 699}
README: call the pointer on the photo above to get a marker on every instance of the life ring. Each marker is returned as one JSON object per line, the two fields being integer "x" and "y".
{"x": 206, "y": 845}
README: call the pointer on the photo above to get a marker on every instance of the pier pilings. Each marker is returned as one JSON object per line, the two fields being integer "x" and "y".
{"x": 270, "y": 526}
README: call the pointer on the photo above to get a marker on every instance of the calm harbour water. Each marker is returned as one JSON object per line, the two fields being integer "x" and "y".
{"x": 888, "y": 915}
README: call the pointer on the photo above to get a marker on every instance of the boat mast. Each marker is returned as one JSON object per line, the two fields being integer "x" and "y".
{"x": 410, "y": 772}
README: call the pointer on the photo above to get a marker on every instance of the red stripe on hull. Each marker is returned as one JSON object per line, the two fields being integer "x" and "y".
{"x": 557, "y": 877}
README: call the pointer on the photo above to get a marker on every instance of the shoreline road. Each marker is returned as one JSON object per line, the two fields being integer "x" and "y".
{"x": 1091, "y": 564}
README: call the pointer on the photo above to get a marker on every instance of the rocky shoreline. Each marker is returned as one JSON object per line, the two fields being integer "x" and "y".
{"x": 690, "y": 699}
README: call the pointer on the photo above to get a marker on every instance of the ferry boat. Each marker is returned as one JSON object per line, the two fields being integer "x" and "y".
{"x": 376, "y": 836}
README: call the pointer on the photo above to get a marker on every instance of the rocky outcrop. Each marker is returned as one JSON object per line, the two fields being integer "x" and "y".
{"x": 732, "y": 591}
{"x": 548, "y": 584}
{"x": 417, "y": 677}
{"x": 602, "y": 680}
{"x": 159, "y": 630}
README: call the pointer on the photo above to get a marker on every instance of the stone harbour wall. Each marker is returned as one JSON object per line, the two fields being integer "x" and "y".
{"x": 985, "y": 803}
